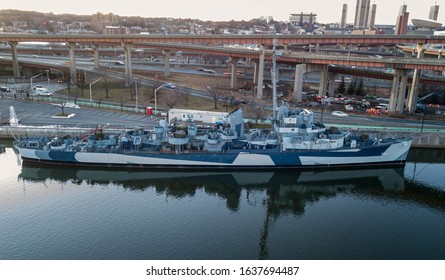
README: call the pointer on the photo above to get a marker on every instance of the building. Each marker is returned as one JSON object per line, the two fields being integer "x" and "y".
{"x": 402, "y": 21}
{"x": 344, "y": 16}
{"x": 305, "y": 21}
{"x": 434, "y": 12}
{"x": 371, "y": 18}
{"x": 114, "y": 30}
{"x": 361, "y": 14}
{"x": 99, "y": 21}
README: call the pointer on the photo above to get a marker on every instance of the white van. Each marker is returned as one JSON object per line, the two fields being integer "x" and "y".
{"x": 42, "y": 92}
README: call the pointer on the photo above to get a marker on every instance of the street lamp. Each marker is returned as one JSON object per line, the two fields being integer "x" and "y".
{"x": 91, "y": 97}
{"x": 47, "y": 76}
{"x": 38, "y": 75}
{"x": 156, "y": 99}
{"x": 136, "y": 89}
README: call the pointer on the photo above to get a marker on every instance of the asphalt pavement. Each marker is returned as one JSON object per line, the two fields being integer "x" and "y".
{"x": 41, "y": 114}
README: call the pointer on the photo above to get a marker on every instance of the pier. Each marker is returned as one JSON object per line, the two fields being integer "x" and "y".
{"x": 427, "y": 138}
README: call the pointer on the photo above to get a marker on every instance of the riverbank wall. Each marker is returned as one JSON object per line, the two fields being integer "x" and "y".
{"x": 421, "y": 139}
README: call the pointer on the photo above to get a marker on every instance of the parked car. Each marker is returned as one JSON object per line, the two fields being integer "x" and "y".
{"x": 5, "y": 89}
{"x": 339, "y": 114}
{"x": 42, "y": 92}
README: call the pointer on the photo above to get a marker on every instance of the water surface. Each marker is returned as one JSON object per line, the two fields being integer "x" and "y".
{"x": 77, "y": 213}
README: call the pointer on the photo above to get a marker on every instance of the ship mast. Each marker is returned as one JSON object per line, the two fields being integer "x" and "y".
{"x": 274, "y": 79}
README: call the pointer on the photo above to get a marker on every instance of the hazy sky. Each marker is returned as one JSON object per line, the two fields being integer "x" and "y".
{"x": 327, "y": 10}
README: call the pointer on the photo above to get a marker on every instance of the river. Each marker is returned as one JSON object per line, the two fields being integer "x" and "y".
{"x": 76, "y": 213}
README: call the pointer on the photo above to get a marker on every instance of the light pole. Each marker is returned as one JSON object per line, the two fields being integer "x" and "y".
{"x": 136, "y": 89}
{"x": 156, "y": 99}
{"x": 91, "y": 97}
{"x": 47, "y": 76}
{"x": 34, "y": 77}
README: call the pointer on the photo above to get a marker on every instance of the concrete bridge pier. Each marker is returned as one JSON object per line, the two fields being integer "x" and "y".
{"x": 15, "y": 59}
{"x": 167, "y": 55}
{"x": 233, "y": 77}
{"x": 255, "y": 71}
{"x": 393, "y": 97}
{"x": 300, "y": 69}
{"x": 331, "y": 84}
{"x": 323, "y": 81}
{"x": 73, "y": 74}
{"x": 413, "y": 94}
{"x": 96, "y": 56}
{"x": 402, "y": 90}
{"x": 128, "y": 67}
{"x": 259, "y": 93}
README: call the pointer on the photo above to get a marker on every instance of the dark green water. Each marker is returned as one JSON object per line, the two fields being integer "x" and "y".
{"x": 70, "y": 213}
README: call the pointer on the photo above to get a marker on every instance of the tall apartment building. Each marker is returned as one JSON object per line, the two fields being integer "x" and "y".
{"x": 361, "y": 14}
{"x": 434, "y": 12}
{"x": 344, "y": 15}
{"x": 99, "y": 21}
{"x": 402, "y": 21}
{"x": 371, "y": 18}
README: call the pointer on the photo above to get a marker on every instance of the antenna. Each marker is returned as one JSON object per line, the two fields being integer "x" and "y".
{"x": 274, "y": 77}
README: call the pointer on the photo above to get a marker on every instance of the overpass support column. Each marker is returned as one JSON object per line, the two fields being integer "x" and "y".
{"x": 317, "y": 48}
{"x": 259, "y": 93}
{"x": 323, "y": 81}
{"x": 298, "y": 82}
{"x": 15, "y": 59}
{"x": 128, "y": 68}
{"x": 96, "y": 57}
{"x": 402, "y": 90}
{"x": 166, "y": 63}
{"x": 255, "y": 72}
{"x": 73, "y": 74}
{"x": 393, "y": 97}
{"x": 412, "y": 98}
{"x": 233, "y": 77}
{"x": 331, "y": 84}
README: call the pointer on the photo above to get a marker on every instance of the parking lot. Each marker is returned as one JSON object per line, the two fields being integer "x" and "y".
{"x": 39, "y": 114}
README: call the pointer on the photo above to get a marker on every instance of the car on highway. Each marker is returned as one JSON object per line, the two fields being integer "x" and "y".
{"x": 339, "y": 114}
{"x": 210, "y": 71}
{"x": 169, "y": 85}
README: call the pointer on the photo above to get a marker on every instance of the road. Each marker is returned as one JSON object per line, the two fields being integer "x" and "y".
{"x": 40, "y": 114}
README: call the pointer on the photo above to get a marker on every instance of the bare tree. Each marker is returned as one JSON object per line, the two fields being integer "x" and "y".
{"x": 256, "y": 110}
{"x": 216, "y": 90}
{"x": 186, "y": 93}
{"x": 105, "y": 83}
{"x": 63, "y": 103}
{"x": 171, "y": 99}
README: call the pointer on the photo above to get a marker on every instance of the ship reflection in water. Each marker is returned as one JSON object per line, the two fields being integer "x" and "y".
{"x": 228, "y": 184}
{"x": 284, "y": 194}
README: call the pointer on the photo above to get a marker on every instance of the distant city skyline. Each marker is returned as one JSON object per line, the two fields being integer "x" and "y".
{"x": 327, "y": 11}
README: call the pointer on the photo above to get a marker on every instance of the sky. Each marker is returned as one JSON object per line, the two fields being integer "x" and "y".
{"x": 327, "y": 11}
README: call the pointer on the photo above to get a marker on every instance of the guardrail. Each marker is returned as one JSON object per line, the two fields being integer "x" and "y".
{"x": 123, "y": 107}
